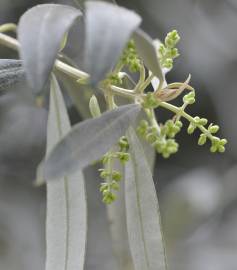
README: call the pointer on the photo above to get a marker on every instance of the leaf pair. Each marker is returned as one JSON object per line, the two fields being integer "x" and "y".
{"x": 107, "y": 30}
{"x": 42, "y": 28}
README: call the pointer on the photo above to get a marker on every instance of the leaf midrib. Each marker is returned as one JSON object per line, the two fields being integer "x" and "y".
{"x": 65, "y": 178}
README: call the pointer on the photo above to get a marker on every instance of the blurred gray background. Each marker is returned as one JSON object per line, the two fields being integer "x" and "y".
{"x": 197, "y": 190}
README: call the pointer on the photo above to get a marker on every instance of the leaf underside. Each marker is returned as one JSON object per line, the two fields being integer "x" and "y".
{"x": 143, "y": 217}
{"x": 108, "y": 29}
{"x": 66, "y": 227}
{"x": 41, "y": 30}
{"x": 148, "y": 53}
{"x": 88, "y": 141}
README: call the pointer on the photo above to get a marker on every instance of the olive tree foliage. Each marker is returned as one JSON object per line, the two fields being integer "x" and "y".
{"x": 115, "y": 48}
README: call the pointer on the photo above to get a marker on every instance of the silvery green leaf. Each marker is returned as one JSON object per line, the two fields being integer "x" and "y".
{"x": 88, "y": 141}
{"x": 107, "y": 30}
{"x": 143, "y": 217}
{"x": 66, "y": 227}
{"x": 11, "y": 72}
{"x": 40, "y": 32}
{"x": 148, "y": 53}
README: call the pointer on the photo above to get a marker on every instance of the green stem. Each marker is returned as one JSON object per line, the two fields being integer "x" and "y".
{"x": 146, "y": 83}
{"x": 181, "y": 112}
{"x": 118, "y": 67}
{"x": 138, "y": 88}
{"x": 123, "y": 92}
{"x": 152, "y": 118}
{"x": 8, "y": 27}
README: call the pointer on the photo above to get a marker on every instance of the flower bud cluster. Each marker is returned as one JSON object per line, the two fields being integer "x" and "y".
{"x": 130, "y": 57}
{"x": 150, "y": 101}
{"x": 217, "y": 144}
{"x": 162, "y": 141}
{"x": 112, "y": 177}
{"x": 168, "y": 50}
{"x": 114, "y": 79}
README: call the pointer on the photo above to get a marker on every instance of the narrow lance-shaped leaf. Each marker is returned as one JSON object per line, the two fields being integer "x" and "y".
{"x": 148, "y": 53}
{"x": 88, "y": 141}
{"x": 11, "y": 72}
{"x": 41, "y": 30}
{"x": 143, "y": 217}
{"x": 66, "y": 201}
{"x": 108, "y": 29}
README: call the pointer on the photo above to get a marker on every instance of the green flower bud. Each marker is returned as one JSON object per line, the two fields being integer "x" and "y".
{"x": 166, "y": 154}
{"x": 202, "y": 121}
{"x": 104, "y": 173}
{"x": 172, "y": 39}
{"x": 221, "y": 149}
{"x": 150, "y": 101}
{"x": 123, "y": 144}
{"x": 223, "y": 141}
{"x": 109, "y": 197}
{"x": 94, "y": 107}
{"x": 216, "y": 140}
{"x": 162, "y": 49}
{"x": 213, "y": 129}
{"x": 144, "y": 124}
{"x": 103, "y": 187}
{"x": 189, "y": 98}
{"x": 115, "y": 185}
{"x": 191, "y": 128}
{"x": 179, "y": 124}
{"x": 191, "y": 101}
{"x": 142, "y": 128}
{"x": 123, "y": 157}
{"x": 174, "y": 53}
{"x": 116, "y": 176}
{"x": 213, "y": 148}
{"x": 106, "y": 192}
{"x": 168, "y": 63}
{"x": 151, "y": 138}
{"x": 160, "y": 145}
{"x": 202, "y": 139}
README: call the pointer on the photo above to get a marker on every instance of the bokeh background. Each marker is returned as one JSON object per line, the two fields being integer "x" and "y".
{"x": 197, "y": 190}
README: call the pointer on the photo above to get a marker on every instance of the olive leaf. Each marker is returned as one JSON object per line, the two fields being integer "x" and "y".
{"x": 148, "y": 53}
{"x": 11, "y": 72}
{"x": 88, "y": 141}
{"x": 143, "y": 217}
{"x": 66, "y": 227}
{"x": 40, "y": 32}
{"x": 107, "y": 30}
